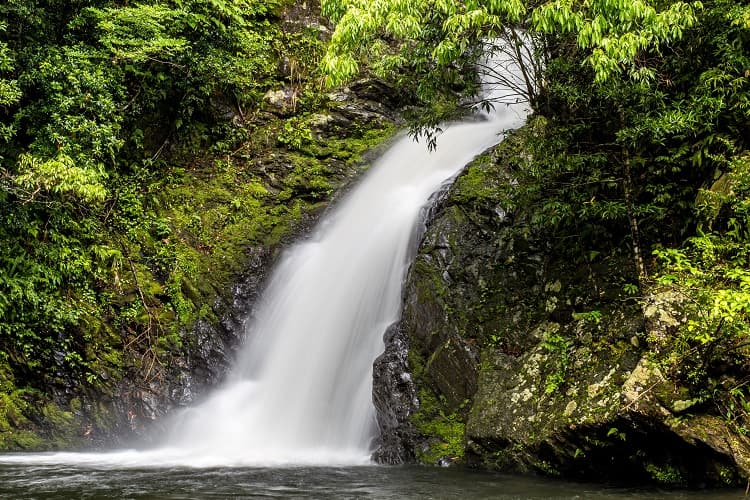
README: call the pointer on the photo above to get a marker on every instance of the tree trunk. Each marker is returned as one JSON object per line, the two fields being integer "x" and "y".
{"x": 632, "y": 220}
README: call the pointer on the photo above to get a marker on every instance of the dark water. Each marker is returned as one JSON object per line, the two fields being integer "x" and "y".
{"x": 72, "y": 482}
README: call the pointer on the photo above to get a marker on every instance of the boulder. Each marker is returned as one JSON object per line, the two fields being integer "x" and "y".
{"x": 538, "y": 360}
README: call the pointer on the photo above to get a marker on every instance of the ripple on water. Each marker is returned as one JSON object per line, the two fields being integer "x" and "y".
{"x": 57, "y": 481}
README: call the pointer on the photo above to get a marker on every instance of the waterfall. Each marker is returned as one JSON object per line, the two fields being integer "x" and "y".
{"x": 301, "y": 389}
{"x": 300, "y": 392}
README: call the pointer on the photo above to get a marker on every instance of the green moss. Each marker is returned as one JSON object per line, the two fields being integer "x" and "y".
{"x": 444, "y": 433}
{"x": 17, "y": 408}
{"x": 63, "y": 426}
{"x": 310, "y": 179}
{"x": 478, "y": 183}
{"x": 416, "y": 364}
{"x": 430, "y": 284}
{"x": 15, "y": 427}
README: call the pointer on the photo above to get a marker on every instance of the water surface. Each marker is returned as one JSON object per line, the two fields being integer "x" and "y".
{"x": 60, "y": 481}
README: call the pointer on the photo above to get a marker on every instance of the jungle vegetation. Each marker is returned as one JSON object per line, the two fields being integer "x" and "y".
{"x": 123, "y": 123}
{"x": 140, "y": 165}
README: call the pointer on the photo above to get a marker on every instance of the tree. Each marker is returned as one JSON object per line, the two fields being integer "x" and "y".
{"x": 618, "y": 45}
{"x": 442, "y": 34}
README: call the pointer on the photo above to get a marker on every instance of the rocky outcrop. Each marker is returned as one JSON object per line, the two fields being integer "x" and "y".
{"x": 394, "y": 391}
{"x": 395, "y": 399}
{"x": 541, "y": 362}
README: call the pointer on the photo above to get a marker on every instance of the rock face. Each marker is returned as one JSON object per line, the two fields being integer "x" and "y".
{"x": 395, "y": 398}
{"x": 205, "y": 360}
{"x": 523, "y": 360}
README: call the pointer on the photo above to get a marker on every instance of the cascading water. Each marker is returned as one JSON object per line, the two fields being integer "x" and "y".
{"x": 302, "y": 387}
{"x": 300, "y": 392}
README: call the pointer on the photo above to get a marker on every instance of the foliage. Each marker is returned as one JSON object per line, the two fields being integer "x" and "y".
{"x": 558, "y": 348}
{"x": 438, "y": 40}
{"x": 9, "y": 91}
{"x": 59, "y": 177}
{"x": 134, "y": 145}
{"x": 711, "y": 275}
{"x": 617, "y": 35}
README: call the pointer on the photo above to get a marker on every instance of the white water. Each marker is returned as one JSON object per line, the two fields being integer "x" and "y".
{"x": 301, "y": 389}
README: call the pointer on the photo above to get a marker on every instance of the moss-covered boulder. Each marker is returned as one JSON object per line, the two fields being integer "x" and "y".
{"x": 527, "y": 357}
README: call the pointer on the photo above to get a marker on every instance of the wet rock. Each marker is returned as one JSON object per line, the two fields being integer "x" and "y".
{"x": 305, "y": 15}
{"x": 379, "y": 94}
{"x": 547, "y": 366}
{"x": 225, "y": 111}
{"x": 662, "y": 310}
{"x": 395, "y": 399}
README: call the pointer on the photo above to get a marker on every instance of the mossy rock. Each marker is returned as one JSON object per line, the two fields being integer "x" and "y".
{"x": 559, "y": 372}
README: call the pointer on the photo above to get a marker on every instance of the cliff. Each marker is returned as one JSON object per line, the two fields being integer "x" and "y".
{"x": 514, "y": 354}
